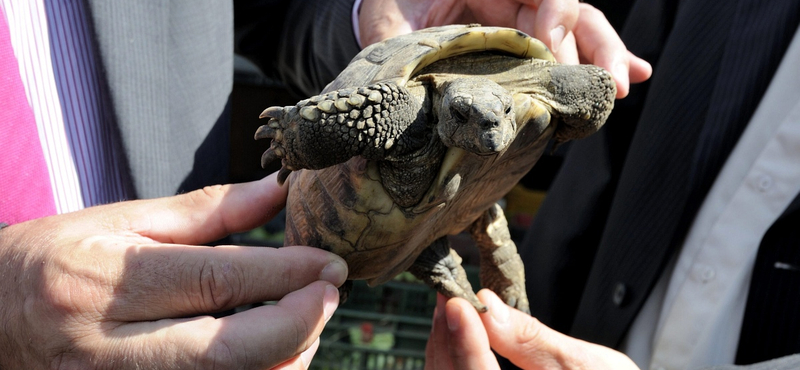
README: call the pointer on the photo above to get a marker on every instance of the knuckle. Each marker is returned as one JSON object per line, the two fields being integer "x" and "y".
{"x": 218, "y": 285}
{"x": 208, "y": 193}
{"x": 530, "y": 333}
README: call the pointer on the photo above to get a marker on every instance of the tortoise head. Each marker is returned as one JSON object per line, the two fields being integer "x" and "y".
{"x": 476, "y": 114}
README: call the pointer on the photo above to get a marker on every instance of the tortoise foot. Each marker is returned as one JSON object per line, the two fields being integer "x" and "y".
{"x": 440, "y": 268}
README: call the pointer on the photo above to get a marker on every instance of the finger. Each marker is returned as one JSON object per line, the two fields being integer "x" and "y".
{"x": 175, "y": 281}
{"x": 640, "y": 69}
{"x": 530, "y": 344}
{"x": 200, "y": 216}
{"x": 469, "y": 343}
{"x": 599, "y": 44}
{"x": 518, "y": 337}
{"x": 554, "y": 20}
{"x": 437, "y": 352}
{"x": 301, "y": 361}
{"x": 259, "y": 338}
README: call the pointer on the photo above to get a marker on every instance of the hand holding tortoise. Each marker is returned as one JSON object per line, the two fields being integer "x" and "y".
{"x": 575, "y": 32}
{"x": 463, "y": 339}
{"x": 125, "y": 286}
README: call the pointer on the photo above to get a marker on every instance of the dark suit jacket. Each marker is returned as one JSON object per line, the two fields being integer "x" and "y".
{"x": 168, "y": 68}
{"x": 625, "y": 197}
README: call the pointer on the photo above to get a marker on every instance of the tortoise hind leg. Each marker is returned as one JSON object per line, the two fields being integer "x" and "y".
{"x": 440, "y": 268}
{"x": 502, "y": 270}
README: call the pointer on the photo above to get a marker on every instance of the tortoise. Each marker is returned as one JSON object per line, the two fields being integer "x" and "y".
{"x": 417, "y": 139}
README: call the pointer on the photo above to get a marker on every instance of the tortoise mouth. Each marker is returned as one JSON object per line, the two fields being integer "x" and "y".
{"x": 494, "y": 141}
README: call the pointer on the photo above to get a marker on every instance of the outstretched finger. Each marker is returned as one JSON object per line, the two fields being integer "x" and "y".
{"x": 259, "y": 338}
{"x": 175, "y": 281}
{"x": 197, "y": 217}
{"x": 640, "y": 69}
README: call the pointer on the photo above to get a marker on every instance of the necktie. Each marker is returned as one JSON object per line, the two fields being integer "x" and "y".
{"x": 25, "y": 191}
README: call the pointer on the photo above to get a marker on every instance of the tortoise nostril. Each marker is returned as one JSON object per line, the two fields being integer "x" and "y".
{"x": 488, "y": 124}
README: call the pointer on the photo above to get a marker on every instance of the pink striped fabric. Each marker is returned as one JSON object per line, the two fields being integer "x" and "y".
{"x": 24, "y": 181}
{"x": 66, "y": 91}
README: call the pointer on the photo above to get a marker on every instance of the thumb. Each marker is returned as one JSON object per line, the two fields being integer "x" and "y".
{"x": 522, "y": 339}
{"x": 529, "y": 344}
{"x": 301, "y": 361}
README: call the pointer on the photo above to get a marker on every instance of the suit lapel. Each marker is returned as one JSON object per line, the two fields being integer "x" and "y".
{"x": 755, "y": 46}
{"x": 650, "y": 202}
{"x": 716, "y": 64}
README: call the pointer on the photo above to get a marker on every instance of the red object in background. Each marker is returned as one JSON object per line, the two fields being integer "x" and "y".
{"x": 367, "y": 332}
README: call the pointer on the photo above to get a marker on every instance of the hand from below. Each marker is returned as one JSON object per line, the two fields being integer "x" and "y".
{"x": 462, "y": 339}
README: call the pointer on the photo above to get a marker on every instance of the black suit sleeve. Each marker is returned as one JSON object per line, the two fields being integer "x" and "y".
{"x": 304, "y": 44}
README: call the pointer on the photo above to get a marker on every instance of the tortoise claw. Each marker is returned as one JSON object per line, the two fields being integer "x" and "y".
{"x": 283, "y": 174}
{"x": 273, "y": 112}
{"x": 268, "y": 156}
{"x": 265, "y": 132}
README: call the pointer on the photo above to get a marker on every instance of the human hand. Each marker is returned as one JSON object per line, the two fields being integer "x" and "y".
{"x": 575, "y": 32}
{"x": 463, "y": 339}
{"x": 125, "y": 286}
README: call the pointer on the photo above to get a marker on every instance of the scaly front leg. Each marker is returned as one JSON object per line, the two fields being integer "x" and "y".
{"x": 329, "y": 129}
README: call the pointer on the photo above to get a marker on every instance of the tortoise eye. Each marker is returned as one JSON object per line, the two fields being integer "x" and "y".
{"x": 458, "y": 115}
{"x": 508, "y": 109}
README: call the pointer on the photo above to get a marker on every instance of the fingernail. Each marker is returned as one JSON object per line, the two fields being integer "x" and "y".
{"x": 330, "y": 301}
{"x": 556, "y": 36}
{"x": 453, "y": 316}
{"x": 498, "y": 309}
{"x": 335, "y": 273}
